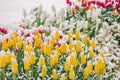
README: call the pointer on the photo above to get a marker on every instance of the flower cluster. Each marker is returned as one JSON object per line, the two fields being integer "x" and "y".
{"x": 81, "y": 42}
{"x": 73, "y": 55}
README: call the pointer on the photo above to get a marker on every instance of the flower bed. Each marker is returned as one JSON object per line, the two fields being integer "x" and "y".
{"x": 79, "y": 43}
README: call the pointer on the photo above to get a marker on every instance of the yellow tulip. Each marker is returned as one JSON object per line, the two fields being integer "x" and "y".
{"x": 30, "y": 49}
{"x": 14, "y": 38}
{"x": 57, "y": 52}
{"x": 73, "y": 61}
{"x": 89, "y": 66}
{"x": 99, "y": 67}
{"x": 44, "y": 71}
{"x": 32, "y": 58}
{"x": 96, "y": 68}
{"x": 91, "y": 7}
{"x": 48, "y": 50}
{"x": 26, "y": 64}
{"x": 52, "y": 41}
{"x": 71, "y": 47}
{"x": 86, "y": 1}
{"x": 41, "y": 61}
{"x": 102, "y": 54}
{"x": 78, "y": 47}
{"x": 25, "y": 46}
{"x": 55, "y": 59}
{"x": 57, "y": 36}
{"x": 91, "y": 54}
{"x": 8, "y": 58}
{"x": 54, "y": 74}
{"x": 85, "y": 73}
{"x": 85, "y": 40}
{"x": 4, "y": 45}
{"x": 83, "y": 59}
{"x": 3, "y": 61}
{"x": 78, "y": 0}
{"x": 71, "y": 74}
{"x": 77, "y": 35}
{"x": 115, "y": 13}
{"x": 43, "y": 48}
{"x": 19, "y": 42}
{"x": 63, "y": 77}
{"x": 67, "y": 66}
{"x": 37, "y": 42}
{"x": 14, "y": 66}
{"x": 93, "y": 44}
{"x": 87, "y": 70}
{"x": 9, "y": 43}
{"x": 69, "y": 35}
{"x": 63, "y": 48}
{"x": 52, "y": 62}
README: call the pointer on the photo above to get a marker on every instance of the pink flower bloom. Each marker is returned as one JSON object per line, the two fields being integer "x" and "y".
{"x": 117, "y": 0}
{"x": 27, "y": 35}
{"x": 108, "y": 5}
{"x": 3, "y": 30}
{"x": 77, "y": 7}
{"x": 22, "y": 26}
{"x": 58, "y": 44}
{"x": 73, "y": 12}
{"x": 91, "y": 2}
{"x": 69, "y": 2}
{"x": 61, "y": 36}
{"x": 16, "y": 50}
{"x": 100, "y": 4}
{"x": 7, "y": 40}
{"x": 41, "y": 31}
{"x": 119, "y": 10}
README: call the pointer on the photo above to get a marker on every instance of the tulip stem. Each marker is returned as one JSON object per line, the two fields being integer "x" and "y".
{"x": 3, "y": 73}
{"x": 43, "y": 78}
{"x": 32, "y": 71}
{"x": 27, "y": 72}
{"x": 14, "y": 76}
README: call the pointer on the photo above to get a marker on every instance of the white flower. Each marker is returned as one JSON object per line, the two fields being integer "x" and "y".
{"x": 40, "y": 8}
{"x": 88, "y": 13}
{"x": 24, "y": 13}
{"x": 53, "y": 8}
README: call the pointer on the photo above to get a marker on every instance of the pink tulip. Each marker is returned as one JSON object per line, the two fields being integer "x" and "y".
{"x": 58, "y": 44}
{"x": 3, "y": 30}
{"x": 69, "y": 2}
{"x": 108, "y": 5}
{"x": 91, "y": 2}
{"x": 22, "y": 26}
{"x": 73, "y": 12}
{"x": 76, "y": 7}
{"x": 41, "y": 31}
{"x": 61, "y": 36}
{"x": 27, "y": 35}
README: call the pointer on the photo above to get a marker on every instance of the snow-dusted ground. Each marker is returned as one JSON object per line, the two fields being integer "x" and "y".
{"x": 11, "y": 11}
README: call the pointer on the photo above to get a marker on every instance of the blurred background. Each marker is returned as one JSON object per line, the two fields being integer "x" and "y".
{"x": 11, "y": 11}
